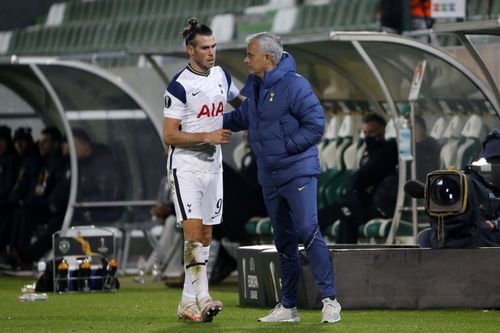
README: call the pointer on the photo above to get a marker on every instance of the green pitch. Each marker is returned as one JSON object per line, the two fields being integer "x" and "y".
{"x": 152, "y": 308}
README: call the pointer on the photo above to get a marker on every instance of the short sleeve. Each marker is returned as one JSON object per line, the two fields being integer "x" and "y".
{"x": 174, "y": 101}
{"x": 232, "y": 91}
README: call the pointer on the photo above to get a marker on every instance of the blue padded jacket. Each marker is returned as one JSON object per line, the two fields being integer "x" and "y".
{"x": 284, "y": 120}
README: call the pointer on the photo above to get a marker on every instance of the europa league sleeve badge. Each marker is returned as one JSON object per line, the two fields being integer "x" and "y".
{"x": 168, "y": 101}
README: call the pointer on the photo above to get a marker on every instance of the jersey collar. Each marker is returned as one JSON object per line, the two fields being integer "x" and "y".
{"x": 194, "y": 71}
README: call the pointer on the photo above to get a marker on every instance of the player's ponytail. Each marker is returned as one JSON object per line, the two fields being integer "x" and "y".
{"x": 189, "y": 33}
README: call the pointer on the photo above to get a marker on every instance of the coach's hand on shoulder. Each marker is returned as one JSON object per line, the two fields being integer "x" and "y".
{"x": 220, "y": 136}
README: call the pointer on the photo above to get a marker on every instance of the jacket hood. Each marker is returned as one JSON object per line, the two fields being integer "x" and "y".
{"x": 286, "y": 64}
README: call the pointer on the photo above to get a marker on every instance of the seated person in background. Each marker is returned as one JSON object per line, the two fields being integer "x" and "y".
{"x": 427, "y": 150}
{"x": 59, "y": 199}
{"x": 44, "y": 206}
{"x": 99, "y": 179}
{"x": 8, "y": 173}
{"x": 371, "y": 191}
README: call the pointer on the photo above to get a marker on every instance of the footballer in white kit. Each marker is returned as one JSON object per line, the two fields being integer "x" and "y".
{"x": 198, "y": 100}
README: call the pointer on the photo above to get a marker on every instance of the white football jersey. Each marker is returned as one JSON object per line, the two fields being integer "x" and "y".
{"x": 198, "y": 100}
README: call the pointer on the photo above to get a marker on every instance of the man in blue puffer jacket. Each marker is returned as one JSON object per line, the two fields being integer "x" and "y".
{"x": 285, "y": 121}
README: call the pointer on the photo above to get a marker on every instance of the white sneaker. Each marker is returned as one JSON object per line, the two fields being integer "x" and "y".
{"x": 281, "y": 314}
{"x": 331, "y": 311}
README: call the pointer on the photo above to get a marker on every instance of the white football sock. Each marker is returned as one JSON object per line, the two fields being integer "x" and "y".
{"x": 195, "y": 282}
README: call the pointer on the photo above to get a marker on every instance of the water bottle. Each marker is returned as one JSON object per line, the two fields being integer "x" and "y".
{"x": 28, "y": 288}
{"x": 41, "y": 267}
{"x": 109, "y": 279}
{"x": 141, "y": 266}
{"x": 84, "y": 275}
{"x": 405, "y": 152}
{"x": 155, "y": 271}
{"x": 62, "y": 276}
{"x": 32, "y": 297}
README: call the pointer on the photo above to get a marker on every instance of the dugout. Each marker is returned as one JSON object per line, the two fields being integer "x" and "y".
{"x": 356, "y": 72}
{"x": 37, "y": 92}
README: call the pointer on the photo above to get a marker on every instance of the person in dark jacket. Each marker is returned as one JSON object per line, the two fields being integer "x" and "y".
{"x": 8, "y": 170}
{"x": 44, "y": 205}
{"x": 25, "y": 177}
{"x": 52, "y": 214}
{"x": 99, "y": 179}
{"x": 371, "y": 191}
{"x": 285, "y": 121}
{"x": 390, "y": 14}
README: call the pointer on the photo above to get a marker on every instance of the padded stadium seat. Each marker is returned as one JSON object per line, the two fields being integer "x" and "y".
{"x": 451, "y": 139}
{"x": 324, "y": 180}
{"x": 351, "y": 155}
{"x": 252, "y": 24}
{"x": 376, "y": 228}
{"x": 332, "y": 230}
{"x": 259, "y": 226}
{"x": 366, "y": 18}
{"x": 332, "y": 181}
{"x": 239, "y": 151}
{"x": 470, "y": 149}
{"x": 345, "y": 18}
{"x": 5, "y": 37}
{"x": 495, "y": 10}
{"x": 438, "y": 129}
{"x": 56, "y": 14}
{"x": 271, "y": 5}
{"x": 142, "y": 32}
{"x": 477, "y": 10}
{"x": 284, "y": 20}
{"x": 332, "y": 155}
{"x": 312, "y": 18}
{"x": 329, "y": 136}
{"x": 379, "y": 228}
{"x": 223, "y": 27}
{"x": 390, "y": 130}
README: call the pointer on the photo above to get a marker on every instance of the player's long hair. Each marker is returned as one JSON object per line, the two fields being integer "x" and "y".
{"x": 190, "y": 32}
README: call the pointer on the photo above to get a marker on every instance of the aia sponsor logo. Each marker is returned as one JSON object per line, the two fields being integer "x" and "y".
{"x": 206, "y": 111}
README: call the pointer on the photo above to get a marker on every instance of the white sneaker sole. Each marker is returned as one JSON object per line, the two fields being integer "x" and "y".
{"x": 331, "y": 321}
{"x": 293, "y": 320}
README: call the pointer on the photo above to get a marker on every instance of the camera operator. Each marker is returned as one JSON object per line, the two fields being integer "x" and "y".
{"x": 477, "y": 191}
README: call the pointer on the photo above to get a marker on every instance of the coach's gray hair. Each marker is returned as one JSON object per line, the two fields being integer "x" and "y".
{"x": 269, "y": 43}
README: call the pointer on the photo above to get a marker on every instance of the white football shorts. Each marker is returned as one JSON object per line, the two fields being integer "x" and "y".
{"x": 196, "y": 196}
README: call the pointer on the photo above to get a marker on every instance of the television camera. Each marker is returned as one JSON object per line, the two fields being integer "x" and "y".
{"x": 463, "y": 205}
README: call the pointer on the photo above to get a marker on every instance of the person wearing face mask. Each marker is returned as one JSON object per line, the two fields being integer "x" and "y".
{"x": 372, "y": 189}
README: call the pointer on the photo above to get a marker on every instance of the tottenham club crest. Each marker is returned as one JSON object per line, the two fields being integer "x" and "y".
{"x": 168, "y": 102}
{"x": 64, "y": 246}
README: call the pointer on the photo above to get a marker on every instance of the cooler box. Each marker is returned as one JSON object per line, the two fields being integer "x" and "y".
{"x": 95, "y": 247}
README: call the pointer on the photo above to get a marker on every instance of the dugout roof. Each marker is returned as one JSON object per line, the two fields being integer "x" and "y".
{"x": 38, "y": 92}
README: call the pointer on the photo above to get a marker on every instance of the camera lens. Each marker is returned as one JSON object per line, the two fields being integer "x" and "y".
{"x": 445, "y": 191}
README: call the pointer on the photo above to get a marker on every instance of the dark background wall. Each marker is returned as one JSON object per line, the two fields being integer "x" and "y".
{"x": 21, "y": 13}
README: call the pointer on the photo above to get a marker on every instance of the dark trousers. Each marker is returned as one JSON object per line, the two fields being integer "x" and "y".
{"x": 5, "y": 227}
{"x": 293, "y": 212}
{"x": 43, "y": 242}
